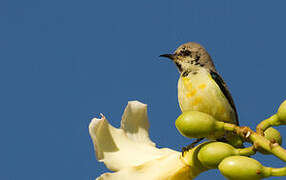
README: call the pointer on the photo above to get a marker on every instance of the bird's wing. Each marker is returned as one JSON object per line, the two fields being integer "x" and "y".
{"x": 218, "y": 79}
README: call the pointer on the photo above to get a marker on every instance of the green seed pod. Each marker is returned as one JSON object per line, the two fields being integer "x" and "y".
{"x": 212, "y": 153}
{"x": 194, "y": 124}
{"x": 234, "y": 140}
{"x": 282, "y": 112}
{"x": 272, "y": 135}
{"x": 241, "y": 167}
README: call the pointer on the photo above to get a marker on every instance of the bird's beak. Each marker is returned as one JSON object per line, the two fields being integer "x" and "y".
{"x": 170, "y": 56}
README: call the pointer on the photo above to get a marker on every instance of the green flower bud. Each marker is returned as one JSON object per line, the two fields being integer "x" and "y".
{"x": 194, "y": 124}
{"x": 282, "y": 112}
{"x": 241, "y": 167}
{"x": 271, "y": 134}
{"x": 234, "y": 140}
{"x": 211, "y": 154}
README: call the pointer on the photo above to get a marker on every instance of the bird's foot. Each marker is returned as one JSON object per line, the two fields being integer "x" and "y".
{"x": 187, "y": 148}
{"x": 190, "y": 146}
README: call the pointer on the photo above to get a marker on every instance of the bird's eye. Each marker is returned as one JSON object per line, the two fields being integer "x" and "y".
{"x": 186, "y": 53}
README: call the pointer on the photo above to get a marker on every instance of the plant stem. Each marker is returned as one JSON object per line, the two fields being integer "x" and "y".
{"x": 272, "y": 121}
{"x": 249, "y": 151}
{"x": 258, "y": 140}
{"x": 278, "y": 171}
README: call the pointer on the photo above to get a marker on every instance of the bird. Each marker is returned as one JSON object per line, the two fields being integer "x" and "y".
{"x": 200, "y": 87}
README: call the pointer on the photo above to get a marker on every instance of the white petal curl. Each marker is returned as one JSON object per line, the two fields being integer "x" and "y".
{"x": 129, "y": 151}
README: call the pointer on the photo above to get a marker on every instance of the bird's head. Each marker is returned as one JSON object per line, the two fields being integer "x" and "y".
{"x": 190, "y": 56}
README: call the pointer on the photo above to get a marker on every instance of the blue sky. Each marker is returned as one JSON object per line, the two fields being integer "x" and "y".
{"x": 63, "y": 62}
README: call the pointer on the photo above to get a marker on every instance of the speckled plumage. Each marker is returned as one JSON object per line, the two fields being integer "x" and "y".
{"x": 200, "y": 87}
{"x": 199, "y": 92}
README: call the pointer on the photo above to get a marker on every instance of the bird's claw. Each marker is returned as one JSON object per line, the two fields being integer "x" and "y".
{"x": 187, "y": 148}
{"x": 191, "y": 146}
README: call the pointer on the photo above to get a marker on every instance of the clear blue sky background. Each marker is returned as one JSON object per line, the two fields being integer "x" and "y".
{"x": 63, "y": 62}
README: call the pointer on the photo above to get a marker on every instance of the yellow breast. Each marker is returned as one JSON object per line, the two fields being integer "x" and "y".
{"x": 199, "y": 92}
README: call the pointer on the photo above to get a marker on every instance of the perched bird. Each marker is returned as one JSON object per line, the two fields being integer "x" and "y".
{"x": 200, "y": 87}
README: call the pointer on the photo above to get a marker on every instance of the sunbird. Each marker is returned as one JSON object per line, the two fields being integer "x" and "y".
{"x": 200, "y": 87}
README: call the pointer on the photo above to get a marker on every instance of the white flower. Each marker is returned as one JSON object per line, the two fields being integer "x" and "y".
{"x": 132, "y": 155}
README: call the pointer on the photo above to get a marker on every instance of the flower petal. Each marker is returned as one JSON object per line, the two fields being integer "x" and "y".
{"x": 129, "y": 151}
{"x": 167, "y": 167}
{"x": 128, "y": 146}
{"x": 135, "y": 122}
